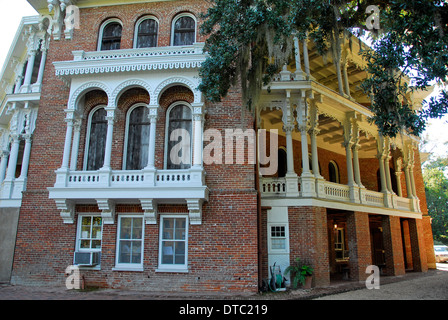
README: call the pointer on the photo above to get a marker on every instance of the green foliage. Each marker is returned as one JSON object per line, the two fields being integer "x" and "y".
{"x": 299, "y": 272}
{"x": 436, "y": 188}
{"x": 249, "y": 40}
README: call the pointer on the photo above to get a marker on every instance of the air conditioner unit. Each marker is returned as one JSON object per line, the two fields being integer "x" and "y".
{"x": 87, "y": 259}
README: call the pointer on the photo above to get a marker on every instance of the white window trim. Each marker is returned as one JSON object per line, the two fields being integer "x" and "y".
{"x": 137, "y": 25}
{"x": 129, "y": 266}
{"x": 78, "y": 231}
{"x": 185, "y": 14}
{"x": 126, "y": 133}
{"x": 78, "y": 238}
{"x": 105, "y": 23}
{"x": 89, "y": 127}
{"x": 167, "y": 122}
{"x": 275, "y": 251}
{"x": 169, "y": 267}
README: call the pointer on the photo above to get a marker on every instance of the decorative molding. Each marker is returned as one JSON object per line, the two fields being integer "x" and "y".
{"x": 107, "y": 207}
{"x": 195, "y": 211}
{"x": 67, "y": 208}
{"x": 131, "y": 60}
{"x": 178, "y": 80}
{"x": 90, "y": 85}
{"x": 150, "y": 208}
{"x": 128, "y": 84}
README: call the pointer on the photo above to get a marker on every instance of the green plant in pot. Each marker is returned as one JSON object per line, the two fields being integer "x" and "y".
{"x": 300, "y": 273}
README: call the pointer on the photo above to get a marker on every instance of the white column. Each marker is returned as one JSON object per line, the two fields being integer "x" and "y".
{"x": 356, "y": 165}
{"x": 26, "y": 157}
{"x": 67, "y": 145}
{"x": 289, "y": 150}
{"x": 40, "y": 76}
{"x": 314, "y": 156}
{"x": 346, "y": 83}
{"x": 3, "y": 165}
{"x": 18, "y": 84}
{"x": 349, "y": 159}
{"x": 299, "y": 72}
{"x": 152, "y": 142}
{"x": 29, "y": 69}
{"x": 10, "y": 174}
{"x": 407, "y": 177}
{"x": 197, "y": 152}
{"x": 75, "y": 146}
{"x": 109, "y": 138}
{"x": 387, "y": 171}
{"x": 306, "y": 59}
{"x": 382, "y": 172}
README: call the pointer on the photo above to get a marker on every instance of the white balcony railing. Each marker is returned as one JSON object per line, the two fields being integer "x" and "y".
{"x": 131, "y": 60}
{"x": 278, "y": 188}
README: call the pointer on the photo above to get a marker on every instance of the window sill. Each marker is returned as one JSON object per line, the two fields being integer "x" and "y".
{"x": 172, "y": 270}
{"x": 128, "y": 268}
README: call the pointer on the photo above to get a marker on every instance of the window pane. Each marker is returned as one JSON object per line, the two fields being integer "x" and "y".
{"x": 174, "y": 248}
{"x": 167, "y": 252}
{"x": 184, "y": 31}
{"x": 147, "y": 34}
{"x": 138, "y": 139}
{"x": 124, "y": 252}
{"x": 180, "y": 118}
{"x": 179, "y": 253}
{"x": 130, "y": 243}
{"x": 97, "y": 140}
{"x": 111, "y": 36}
{"x": 90, "y": 235}
{"x": 126, "y": 228}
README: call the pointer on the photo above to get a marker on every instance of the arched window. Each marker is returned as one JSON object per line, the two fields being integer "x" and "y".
{"x": 184, "y": 31}
{"x": 146, "y": 33}
{"x": 96, "y": 139}
{"x": 333, "y": 171}
{"x": 137, "y": 138}
{"x": 110, "y": 35}
{"x": 179, "y": 128}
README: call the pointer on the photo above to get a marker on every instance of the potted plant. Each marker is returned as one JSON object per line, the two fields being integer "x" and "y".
{"x": 300, "y": 273}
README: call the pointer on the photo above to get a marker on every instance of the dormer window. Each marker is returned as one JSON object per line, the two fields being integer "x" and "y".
{"x": 110, "y": 35}
{"x": 184, "y": 31}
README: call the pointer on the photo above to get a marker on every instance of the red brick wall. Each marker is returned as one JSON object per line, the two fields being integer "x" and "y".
{"x": 308, "y": 240}
{"x": 358, "y": 236}
{"x": 222, "y": 251}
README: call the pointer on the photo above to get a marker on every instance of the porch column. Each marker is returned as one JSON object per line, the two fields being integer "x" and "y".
{"x": 3, "y": 164}
{"x": 197, "y": 138}
{"x": 12, "y": 164}
{"x": 345, "y": 75}
{"x": 393, "y": 245}
{"x": 40, "y": 75}
{"x": 152, "y": 137}
{"x": 360, "y": 252}
{"x": 109, "y": 138}
{"x": 299, "y": 72}
{"x": 419, "y": 260}
{"x": 26, "y": 157}
{"x": 308, "y": 184}
{"x": 289, "y": 150}
{"x": 18, "y": 84}
{"x": 387, "y": 171}
{"x": 357, "y": 172}
{"x": 29, "y": 69}
{"x": 68, "y": 143}
{"x": 75, "y": 147}
{"x": 398, "y": 173}
{"x": 306, "y": 59}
